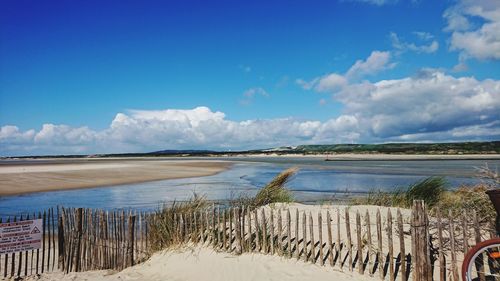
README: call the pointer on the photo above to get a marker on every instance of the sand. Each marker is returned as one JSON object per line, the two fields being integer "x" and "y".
{"x": 49, "y": 175}
{"x": 202, "y": 263}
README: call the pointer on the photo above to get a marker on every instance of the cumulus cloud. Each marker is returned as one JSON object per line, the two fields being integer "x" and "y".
{"x": 429, "y": 106}
{"x": 428, "y": 103}
{"x": 475, "y": 28}
{"x": 12, "y": 135}
{"x": 148, "y": 130}
{"x": 376, "y": 62}
{"x": 401, "y": 46}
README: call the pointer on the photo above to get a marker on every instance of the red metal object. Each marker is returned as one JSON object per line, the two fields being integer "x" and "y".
{"x": 494, "y": 195}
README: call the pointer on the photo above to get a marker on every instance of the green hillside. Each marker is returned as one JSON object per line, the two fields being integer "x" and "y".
{"x": 492, "y": 147}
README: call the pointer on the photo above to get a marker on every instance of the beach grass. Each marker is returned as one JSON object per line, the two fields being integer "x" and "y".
{"x": 163, "y": 223}
{"x": 435, "y": 193}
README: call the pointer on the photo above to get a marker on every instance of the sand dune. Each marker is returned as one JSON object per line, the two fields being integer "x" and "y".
{"x": 200, "y": 263}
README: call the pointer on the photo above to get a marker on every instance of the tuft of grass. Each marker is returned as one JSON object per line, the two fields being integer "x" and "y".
{"x": 163, "y": 225}
{"x": 429, "y": 189}
{"x": 275, "y": 191}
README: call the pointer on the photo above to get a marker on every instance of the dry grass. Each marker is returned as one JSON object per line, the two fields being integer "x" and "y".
{"x": 164, "y": 222}
{"x": 273, "y": 192}
{"x": 433, "y": 191}
{"x": 468, "y": 198}
{"x": 430, "y": 190}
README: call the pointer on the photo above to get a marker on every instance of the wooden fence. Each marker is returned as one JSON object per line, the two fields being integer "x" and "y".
{"x": 95, "y": 239}
{"x": 386, "y": 243}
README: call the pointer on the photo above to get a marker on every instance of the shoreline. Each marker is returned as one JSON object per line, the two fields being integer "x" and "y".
{"x": 25, "y": 178}
{"x": 330, "y": 156}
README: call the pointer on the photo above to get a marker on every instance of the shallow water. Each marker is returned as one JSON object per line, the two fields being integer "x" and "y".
{"x": 317, "y": 180}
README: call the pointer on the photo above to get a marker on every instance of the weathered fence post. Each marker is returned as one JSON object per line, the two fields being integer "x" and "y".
{"x": 454, "y": 269}
{"x": 320, "y": 232}
{"x": 402, "y": 246}
{"x": 330, "y": 238}
{"x": 289, "y": 232}
{"x": 79, "y": 227}
{"x": 349, "y": 241}
{"x": 131, "y": 240}
{"x": 60, "y": 242}
{"x": 360, "y": 244}
{"x": 420, "y": 232}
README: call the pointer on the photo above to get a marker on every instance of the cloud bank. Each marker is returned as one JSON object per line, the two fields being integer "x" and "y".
{"x": 140, "y": 131}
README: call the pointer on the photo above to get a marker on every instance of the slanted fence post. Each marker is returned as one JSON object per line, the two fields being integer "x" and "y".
{"x": 60, "y": 241}
{"x": 131, "y": 239}
{"x": 79, "y": 225}
{"x": 420, "y": 232}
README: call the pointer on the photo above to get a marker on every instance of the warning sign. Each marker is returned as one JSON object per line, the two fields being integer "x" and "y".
{"x": 20, "y": 236}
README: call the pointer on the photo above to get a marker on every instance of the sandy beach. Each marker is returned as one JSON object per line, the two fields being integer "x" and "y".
{"x": 61, "y": 174}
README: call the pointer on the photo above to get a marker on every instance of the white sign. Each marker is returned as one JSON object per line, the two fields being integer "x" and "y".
{"x": 20, "y": 236}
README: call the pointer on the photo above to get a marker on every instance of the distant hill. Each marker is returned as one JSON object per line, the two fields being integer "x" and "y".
{"x": 188, "y": 151}
{"x": 492, "y": 147}
{"x": 454, "y": 148}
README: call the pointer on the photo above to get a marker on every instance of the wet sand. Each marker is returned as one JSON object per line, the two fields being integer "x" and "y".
{"x": 62, "y": 174}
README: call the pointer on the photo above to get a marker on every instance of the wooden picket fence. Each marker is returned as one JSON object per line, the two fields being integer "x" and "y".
{"x": 388, "y": 244}
{"x": 96, "y": 239}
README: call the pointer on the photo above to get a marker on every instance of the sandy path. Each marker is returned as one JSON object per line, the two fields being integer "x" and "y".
{"x": 60, "y": 175}
{"x": 199, "y": 263}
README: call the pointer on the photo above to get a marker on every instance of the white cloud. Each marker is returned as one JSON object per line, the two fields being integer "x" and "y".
{"x": 376, "y": 62}
{"x": 422, "y": 35}
{"x": 475, "y": 28}
{"x": 325, "y": 83}
{"x": 250, "y": 94}
{"x": 431, "y": 102}
{"x": 430, "y": 105}
{"x": 11, "y": 135}
{"x": 144, "y": 130}
{"x": 402, "y": 46}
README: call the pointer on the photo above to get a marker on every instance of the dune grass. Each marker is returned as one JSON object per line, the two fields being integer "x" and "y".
{"x": 275, "y": 191}
{"x": 434, "y": 192}
{"x": 163, "y": 223}
{"x": 430, "y": 190}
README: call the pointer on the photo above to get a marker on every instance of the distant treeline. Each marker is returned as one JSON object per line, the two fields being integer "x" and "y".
{"x": 492, "y": 147}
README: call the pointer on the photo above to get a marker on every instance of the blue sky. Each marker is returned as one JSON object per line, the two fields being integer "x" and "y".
{"x": 78, "y": 76}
